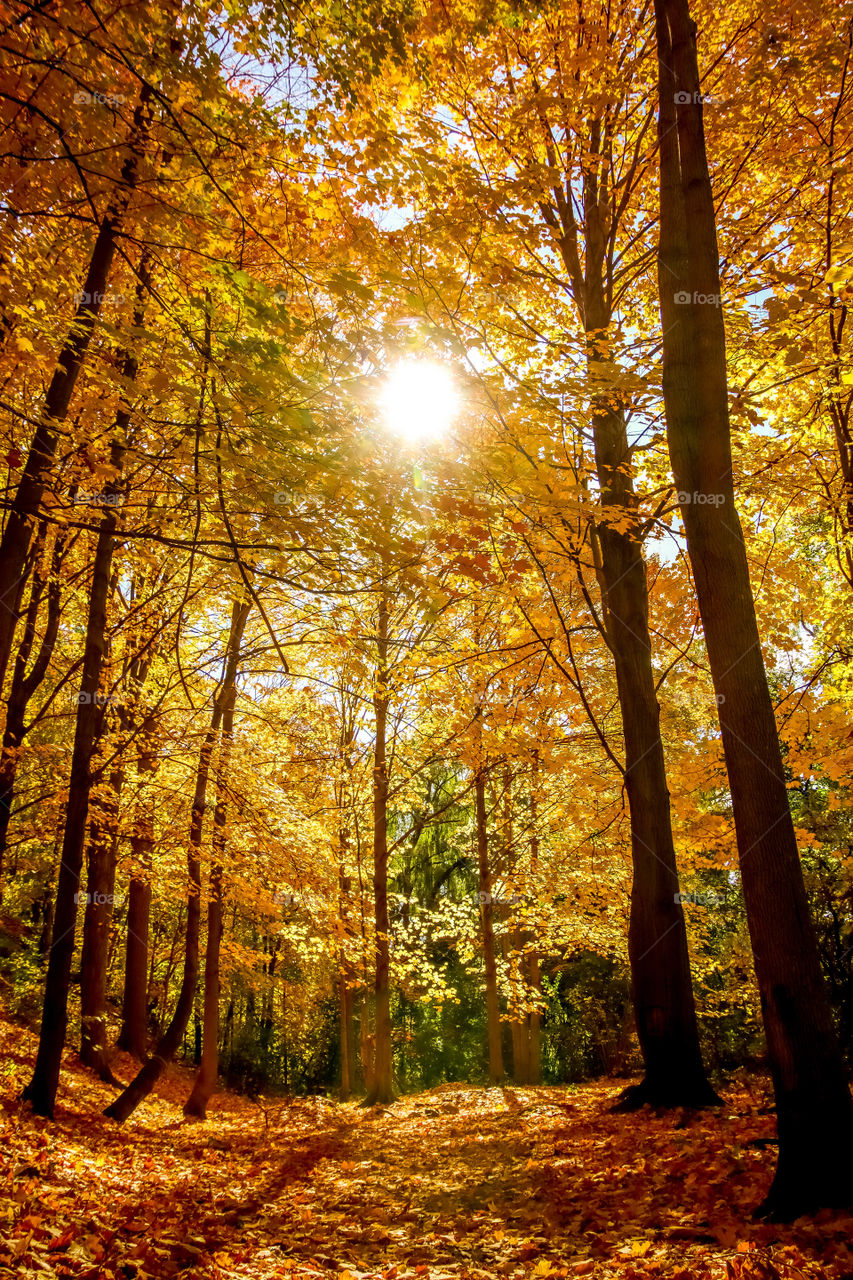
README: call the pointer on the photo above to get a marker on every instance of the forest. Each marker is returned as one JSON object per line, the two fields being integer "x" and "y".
{"x": 426, "y": 639}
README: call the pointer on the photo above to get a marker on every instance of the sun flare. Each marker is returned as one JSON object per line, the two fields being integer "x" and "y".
{"x": 419, "y": 400}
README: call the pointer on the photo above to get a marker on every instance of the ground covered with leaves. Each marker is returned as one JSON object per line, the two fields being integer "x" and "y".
{"x": 452, "y": 1184}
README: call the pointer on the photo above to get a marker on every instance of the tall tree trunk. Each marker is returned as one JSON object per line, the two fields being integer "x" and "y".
{"x": 133, "y": 1036}
{"x": 208, "y": 1073}
{"x": 813, "y": 1104}
{"x": 493, "y": 1017}
{"x": 662, "y": 988}
{"x": 41, "y": 1091}
{"x": 168, "y": 1044}
{"x": 534, "y": 976}
{"x": 657, "y": 937}
{"x": 345, "y": 991}
{"x": 25, "y": 682}
{"x": 100, "y": 888}
{"x": 204, "y": 1085}
{"x": 23, "y": 514}
{"x": 381, "y": 1090}
{"x": 514, "y": 948}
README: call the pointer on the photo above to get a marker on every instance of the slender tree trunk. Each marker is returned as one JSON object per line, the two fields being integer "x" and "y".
{"x": 25, "y": 682}
{"x": 366, "y": 1044}
{"x": 208, "y": 1074}
{"x": 100, "y": 890}
{"x": 133, "y": 1036}
{"x": 41, "y": 1091}
{"x": 493, "y": 1018}
{"x": 813, "y": 1104}
{"x": 514, "y": 949}
{"x": 168, "y": 1044}
{"x": 534, "y": 976}
{"x": 657, "y": 937}
{"x": 381, "y": 1091}
{"x": 345, "y": 999}
{"x": 23, "y": 514}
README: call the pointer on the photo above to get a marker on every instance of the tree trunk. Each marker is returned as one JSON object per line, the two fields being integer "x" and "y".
{"x": 514, "y": 949}
{"x": 657, "y": 937}
{"x": 100, "y": 888}
{"x": 345, "y": 992}
{"x": 534, "y": 976}
{"x": 133, "y": 1036}
{"x": 208, "y": 1074}
{"x": 496, "y": 1068}
{"x": 813, "y": 1104}
{"x": 366, "y": 1044}
{"x": 24, "y": 683}
{"x": 168, "y": 1044}
{"x": 381, "y": 1090}
{"x": 24, "y": 510}
{"x": 41, "y": 1091}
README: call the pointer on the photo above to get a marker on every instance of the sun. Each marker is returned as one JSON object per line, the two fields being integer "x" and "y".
{"x": 419, "y": 400}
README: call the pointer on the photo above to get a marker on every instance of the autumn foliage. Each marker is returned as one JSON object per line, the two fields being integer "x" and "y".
{"x": 425, "y": 581}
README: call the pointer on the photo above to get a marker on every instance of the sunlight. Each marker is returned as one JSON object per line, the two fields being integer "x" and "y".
{"x": 419, "y": 400}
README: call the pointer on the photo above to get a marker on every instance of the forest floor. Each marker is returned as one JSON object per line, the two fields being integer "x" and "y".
{"x": 457, "y": 1183}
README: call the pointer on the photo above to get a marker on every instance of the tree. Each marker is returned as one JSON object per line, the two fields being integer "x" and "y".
{"x": 814, "y": 1108}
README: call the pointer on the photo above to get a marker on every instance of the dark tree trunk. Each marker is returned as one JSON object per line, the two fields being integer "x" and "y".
{"x": 133, "y": 1036}
{"x": 208, "y": 1074}
{"x": 657, "y": 938}
{"x": 100, "y": 888}
{"x": 169, "y": 1043}
{"x": 23, "y": 514}
{"x": 813, "y": 1104}
{"x": 513, "y": 948}
{"x": 25, "y": 682}
{"x": 381, "y": 1090}
{"x": 493, "y": 1018}
{"x": 41, "y": 1091}
{"x": 534, "y": 976}
{"x": 345, "y": 989}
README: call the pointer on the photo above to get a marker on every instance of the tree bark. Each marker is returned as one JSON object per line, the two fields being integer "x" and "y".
{"x": 206, "y": 1079}
{"x": 133, "y": 1036}
{"x": 41, "y": 1091}
{"x": 381, "y": 1088}
{"x": 813, "y": 1104}
{"x": 514, "y": 949}
{"x": 534, "y": 975}
{"x": 493, "y": 1018}
{"x": 100, "y": 889}
{"x": 23, "y": 513}
{"x": 167, "y": 1046}
{"x": 657, "y": 937}
{"x": 25, "y": 682}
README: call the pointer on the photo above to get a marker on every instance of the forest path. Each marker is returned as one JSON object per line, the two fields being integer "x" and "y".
{"x": 457, "y": 1183}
